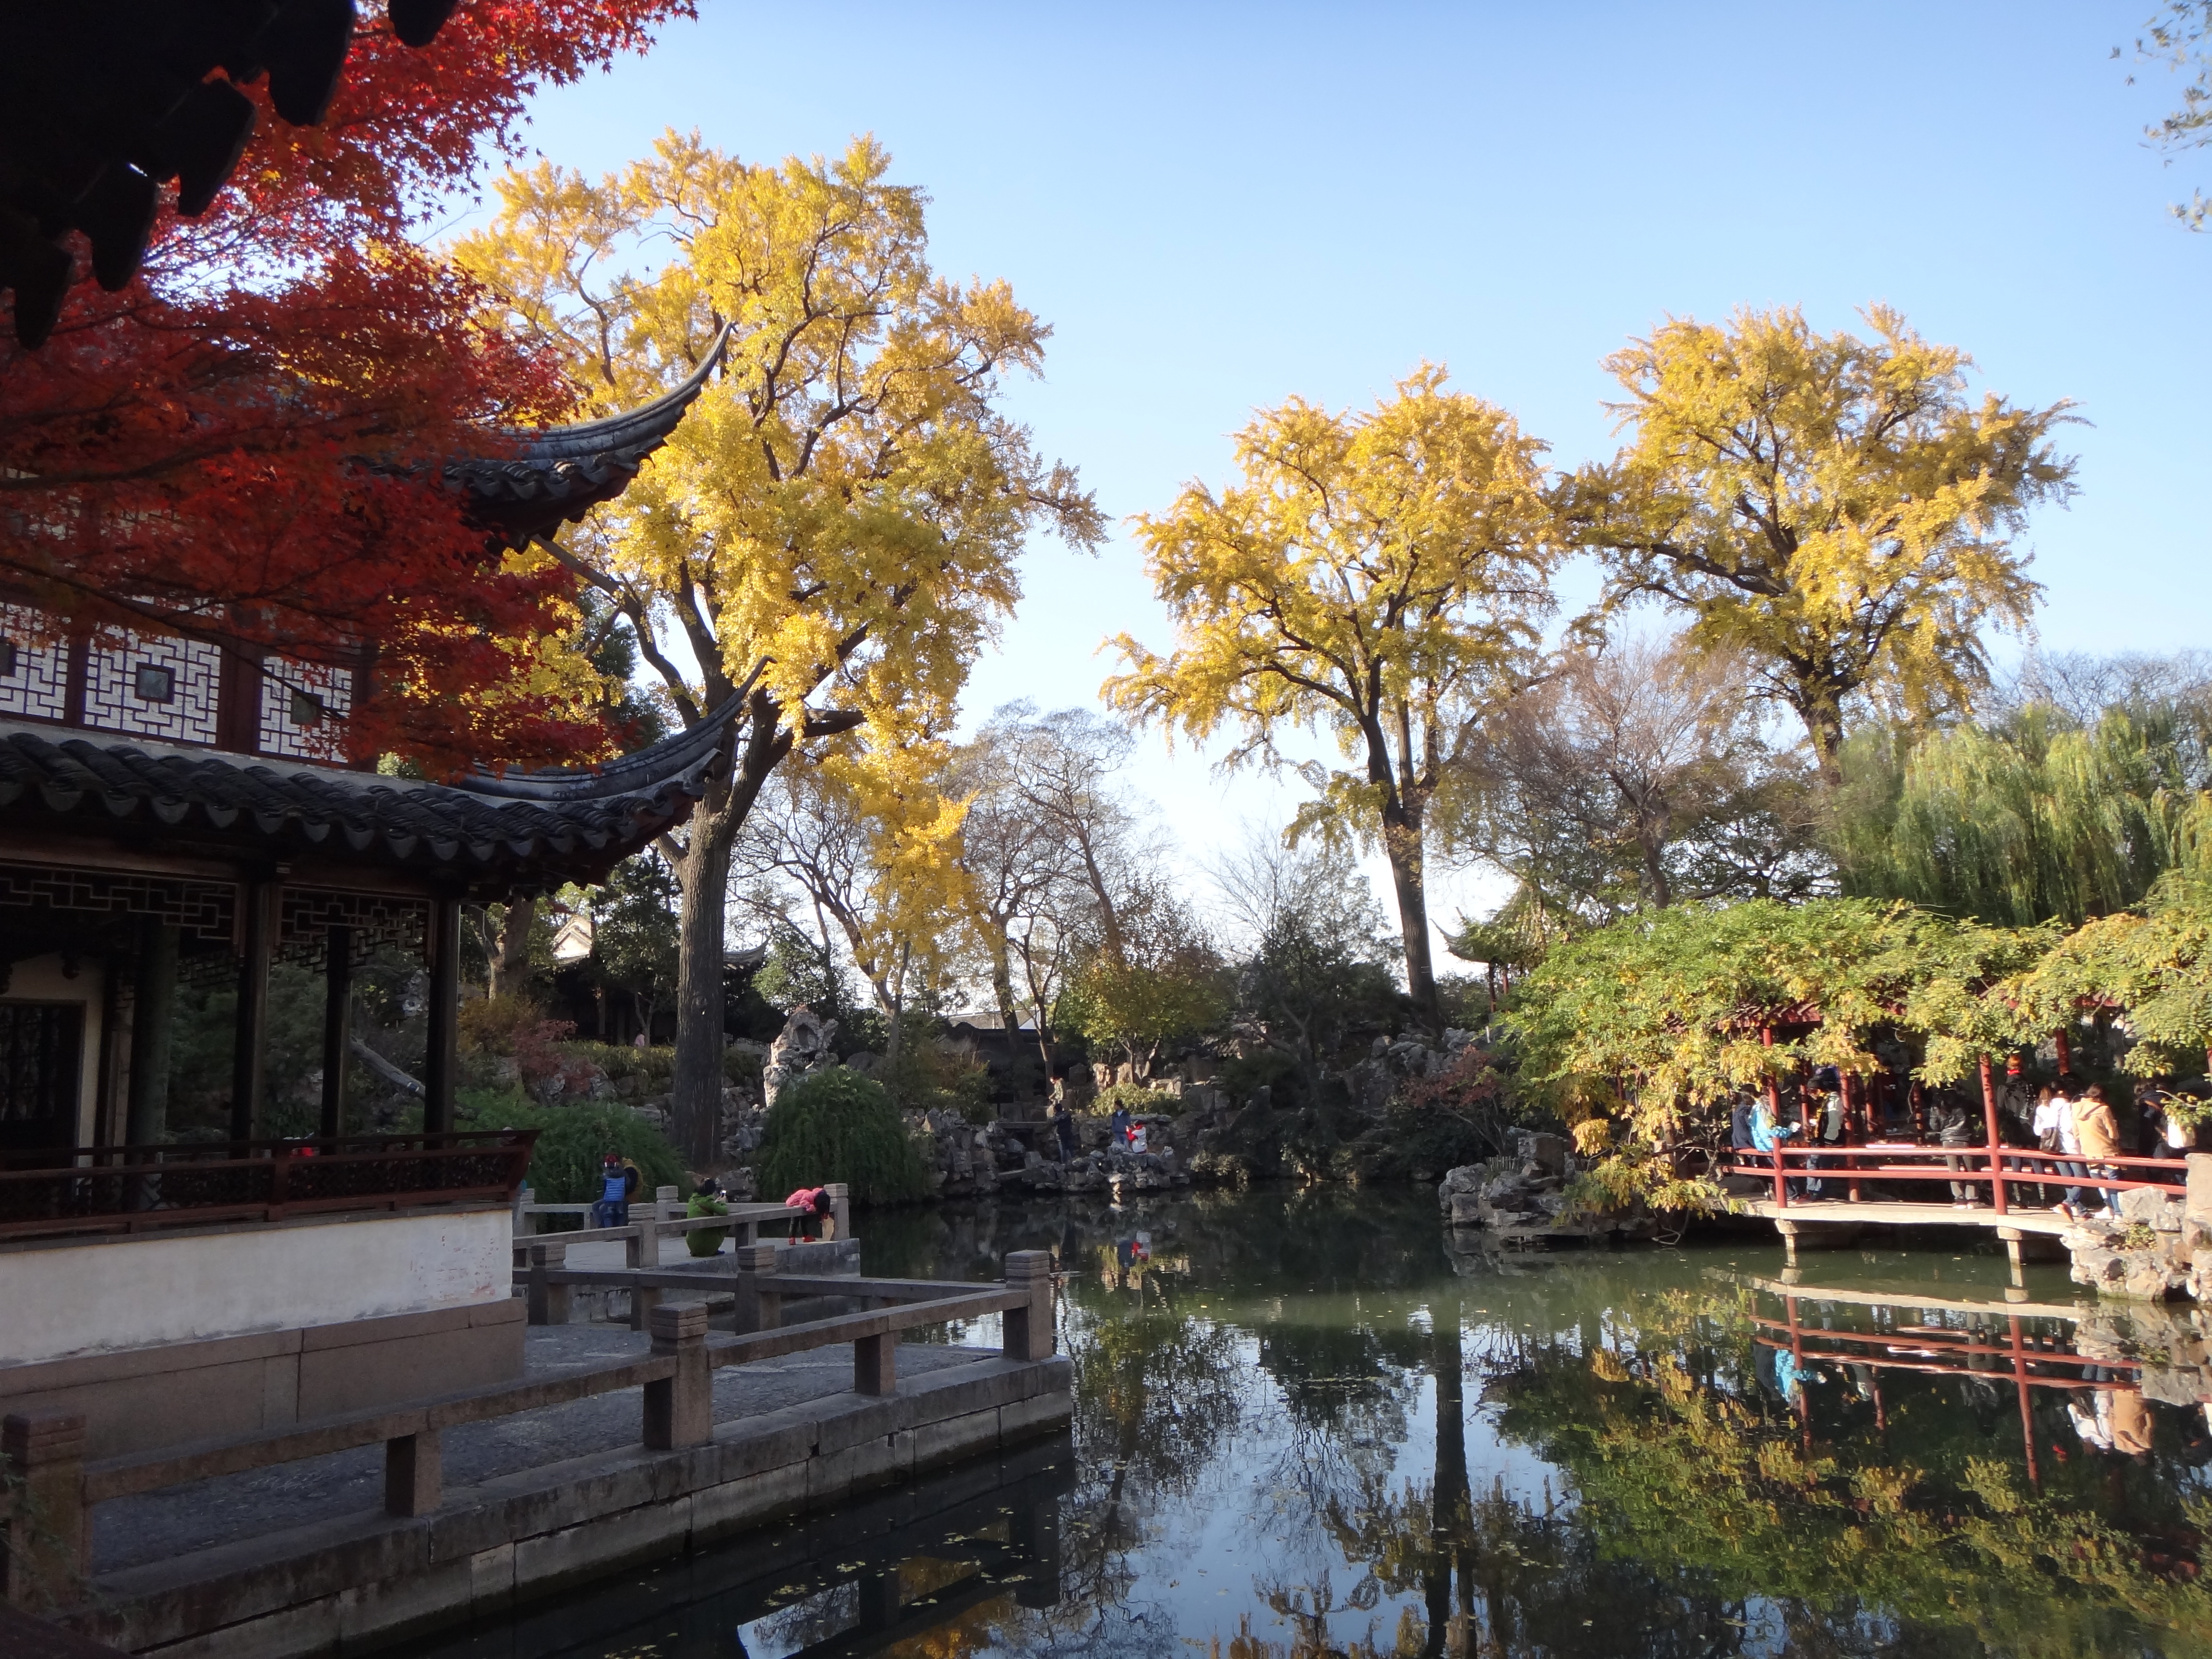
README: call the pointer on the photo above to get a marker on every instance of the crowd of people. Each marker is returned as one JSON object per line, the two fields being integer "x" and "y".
{"x": 2073, "y": 1124}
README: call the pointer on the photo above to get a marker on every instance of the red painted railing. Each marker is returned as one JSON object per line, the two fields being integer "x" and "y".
{"x": 2002, "y": 1169}
{"x": 138, "y": 1188}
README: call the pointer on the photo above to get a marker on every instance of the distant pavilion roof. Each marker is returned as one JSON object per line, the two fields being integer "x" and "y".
{"x": 555, "y": 476}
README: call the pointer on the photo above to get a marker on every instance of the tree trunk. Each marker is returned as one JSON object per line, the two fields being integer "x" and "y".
{"x": 1401, "y": 845}
{"x": 510, "y": 963}
{"x": 696, "y": 1103}
{"x": 1002, "y": 981}
{"x": 1824, "y": 725}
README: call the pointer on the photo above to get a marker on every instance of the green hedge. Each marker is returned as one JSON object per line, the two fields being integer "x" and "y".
{"x": 836, "y": 1125}
{"x": 564, "y": 1168}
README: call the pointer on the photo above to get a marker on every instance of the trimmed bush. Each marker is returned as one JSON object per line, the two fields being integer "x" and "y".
{"x": 836, "y": 1125}
{"x": 572, "y": 1140}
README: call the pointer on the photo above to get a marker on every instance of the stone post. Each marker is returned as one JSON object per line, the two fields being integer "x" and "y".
{"x": 525, "y": 1196}
{"x": 548, "y": 1303}
{"x": 49, "y": 1536}
{"x": 414, "y": 1477}
{"x": 875, "y": 1364}
{"x": 680, "y": 1410}
{"x": 840, "y": 1211}
{"x": 1030, "y": 1331}
{"x": 757, "y": 1310}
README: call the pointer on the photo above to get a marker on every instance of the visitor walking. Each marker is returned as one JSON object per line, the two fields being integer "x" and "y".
{"x": 1767, "y": 1134}
{"x": 1063, "y": 1128}
{"x": 1740, "y": 1141}
{"x": 1954, "y": 1126}
{"x": 2100, "y": 1136}
{"x": 2044, "y": 1123}
{"x": 1121, "y": 1126}
{"x": 1828, "y": 1125}
{"x": 2070, "y": 1142}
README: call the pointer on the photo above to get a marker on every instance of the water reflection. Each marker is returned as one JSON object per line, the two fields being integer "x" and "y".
{"x": 1302, "y": 1428}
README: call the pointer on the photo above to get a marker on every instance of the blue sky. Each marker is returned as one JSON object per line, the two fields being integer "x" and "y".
{"x": 1217, "y": 207}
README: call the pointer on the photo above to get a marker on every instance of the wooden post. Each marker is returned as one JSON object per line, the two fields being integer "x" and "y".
{"x": 338, "y": 1026}
{"x": 1989, "y": 1123}
{"x": 249, "y": 1034}
{"x": 2064, "y": 1045}
{"x": 1855, "y": 1130}
{"x": 875, "y": 1364}
{"x": 441, "y": 1055}
{"x": 546, "y": 1304}
{"x": 1030, "y": 1331}
{"x": 153, "y": 1022}
{"x": 414, "y": 1476}
{"x": 48, "y": 1556}
{"x": 680, "y": 1410}
{"x": 757, "y": 1310}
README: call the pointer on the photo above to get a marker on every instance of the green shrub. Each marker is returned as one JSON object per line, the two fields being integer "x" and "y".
{"x": 836, "y": 1125}
{"x": 654, "y": 1067}
{"x": 1136, "y": 1098}
{"x": 572, "y": 1140}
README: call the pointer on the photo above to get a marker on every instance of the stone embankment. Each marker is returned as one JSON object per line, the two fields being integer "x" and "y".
{"x": 2157, "y": 1248}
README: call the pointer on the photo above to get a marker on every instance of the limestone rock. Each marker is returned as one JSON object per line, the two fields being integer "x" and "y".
{"x": 803, "y": 1046}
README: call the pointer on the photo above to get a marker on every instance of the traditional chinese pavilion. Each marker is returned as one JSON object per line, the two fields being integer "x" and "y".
{"x": 175, "y": 806}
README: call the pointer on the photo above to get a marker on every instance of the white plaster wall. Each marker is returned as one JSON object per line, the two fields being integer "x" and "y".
{"x": 42, "y": 980}
{"x": 65, "y": 1299}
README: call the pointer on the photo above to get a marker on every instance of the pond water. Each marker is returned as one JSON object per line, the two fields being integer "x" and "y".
{"x": 1303, "y": 1426}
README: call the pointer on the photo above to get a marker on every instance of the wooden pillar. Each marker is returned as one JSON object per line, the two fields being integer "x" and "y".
{"x": 2026, "y": 1407}
{"x": 153, "y": 1025}
{"x": 338, "y": 1026}
{"x": 2065, "y": 1047}
{"x": 441, "y": 1057}
{"x": 1990, "y": 1124}
{"x": 249, "y": 1050}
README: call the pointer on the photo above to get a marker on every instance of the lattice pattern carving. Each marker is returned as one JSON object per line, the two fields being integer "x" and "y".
{"x": 377, "y": 919}
{"x": 203, "y": 910}
{"x": 303, "y": 710}
{"x": 36, "y": 682}
{"x": 174, "y": 697}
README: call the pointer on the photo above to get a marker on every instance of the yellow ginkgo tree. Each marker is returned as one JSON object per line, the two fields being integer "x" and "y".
{"x": 831, "y": 532}
{"x": 1838, "y": 509}
{"x": 1379, "y": 574}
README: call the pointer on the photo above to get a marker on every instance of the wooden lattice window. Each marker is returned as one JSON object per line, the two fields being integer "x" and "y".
{"x": 41, "y": 1046}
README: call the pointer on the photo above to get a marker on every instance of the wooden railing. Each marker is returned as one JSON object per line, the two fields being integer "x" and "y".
{"x": 49, "y": 1535}
{"x": 2002, "y": 1169}
{"x": 135, "y": 1188}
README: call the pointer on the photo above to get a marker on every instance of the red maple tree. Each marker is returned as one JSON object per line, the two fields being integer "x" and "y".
{"x": 247, "y": 442}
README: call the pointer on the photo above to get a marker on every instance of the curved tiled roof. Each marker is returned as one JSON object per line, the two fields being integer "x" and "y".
{"x": 553, "y": 476}
{"x": 450, "y": 833}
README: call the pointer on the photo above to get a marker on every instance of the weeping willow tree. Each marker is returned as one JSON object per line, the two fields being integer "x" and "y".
{"x": 2030, "y": 821}
{"x": 2152, "y": 969}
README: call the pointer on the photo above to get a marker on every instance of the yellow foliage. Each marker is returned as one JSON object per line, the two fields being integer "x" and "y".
{"x": 838, "y": 515}
{"x": 1375, "y": 575}
{"x": 1837, "y": 507}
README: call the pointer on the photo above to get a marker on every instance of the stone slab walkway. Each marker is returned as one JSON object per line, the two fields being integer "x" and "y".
{"x": 161, "y": 1525}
